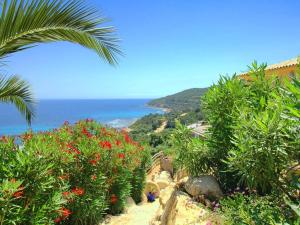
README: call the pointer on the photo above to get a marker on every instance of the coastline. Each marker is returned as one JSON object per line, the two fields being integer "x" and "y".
{"x": 165, "y": 110}
{"x": 118, "y": 113}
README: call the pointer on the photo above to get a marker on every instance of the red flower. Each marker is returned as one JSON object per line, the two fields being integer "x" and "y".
{"x": 57, "y": 220}
{"x": 93, "y": 162}
{"x": 114, "y": 199}
{"x": 66, "y": 194}
{"x": 98, "y": 156}
{"x": 27, "y": 137}
{"x": 121, "y": 155}
{"x": 66, "y": 123}
{"x": 65, "y": 212}
{"x": 78, "y": 191}
{"x": 127, "y": 138}
{"x": 84, "y": 130}
{"x": 105, "y": 144}
{"x": 86, "y": 133}
{"x": 76, "y": 151}
{"x": 118, "y": 143}
{"x": 93, "y": 177}
{"x": 18, "y": 194}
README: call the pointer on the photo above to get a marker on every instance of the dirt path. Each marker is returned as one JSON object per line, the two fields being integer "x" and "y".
{"x": 140, "y": 214}
{"x": 137, "y": 215}
{"x": 161, "y": 128}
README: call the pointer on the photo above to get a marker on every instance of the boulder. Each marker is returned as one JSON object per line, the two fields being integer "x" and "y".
{"x": 162, "y": 184}
{"x": 166, "y": 164}
{"x": 203, "y": 185}
{"x": 163, "y": 179}
{"x": 163, "y": 175}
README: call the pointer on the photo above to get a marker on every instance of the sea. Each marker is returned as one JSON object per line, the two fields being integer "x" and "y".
{"x": 50, "y": 114}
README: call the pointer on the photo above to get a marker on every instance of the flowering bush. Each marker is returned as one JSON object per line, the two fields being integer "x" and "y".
{"x": 72, "y": 175}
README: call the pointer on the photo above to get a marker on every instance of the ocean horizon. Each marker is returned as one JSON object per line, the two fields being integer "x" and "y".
{"x": 52, "y": 113}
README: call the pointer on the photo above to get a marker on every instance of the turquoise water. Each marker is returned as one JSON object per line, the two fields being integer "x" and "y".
{"x": 50, "y": 114}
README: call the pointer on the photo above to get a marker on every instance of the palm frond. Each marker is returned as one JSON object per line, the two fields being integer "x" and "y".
{"x": 18, "y": 92}
{"x": 24, "y": 23}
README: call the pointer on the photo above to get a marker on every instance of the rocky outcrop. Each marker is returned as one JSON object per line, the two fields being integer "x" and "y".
{"x": 166, "y": 164}
{"x": 167, "y": 201}
{"x": 187, "y": 211}
{"x": 163, "y": 179}
{"x": 203, "y": 185}
{"x": 172, "y": 206}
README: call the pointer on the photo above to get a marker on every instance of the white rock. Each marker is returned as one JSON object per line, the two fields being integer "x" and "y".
{"x": 164, "y": 175}
{"x": 206, "y": 185}
{"x": 162, "y": 184}
{"x": 163, "y": 179}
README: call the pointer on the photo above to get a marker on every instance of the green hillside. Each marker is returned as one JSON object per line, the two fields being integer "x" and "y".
{"x": 183, "y": 101}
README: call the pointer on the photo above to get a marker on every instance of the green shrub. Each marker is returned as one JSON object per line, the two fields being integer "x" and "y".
{"x": 220, "y": 104}
{"x": 190, "y": 153}
{"x": 138, "y": 180}
{"x": 262, "y": 153}
{"x": 240, "y": 209}
{"x": 265, "y": 139}
{"x": 30, "y": 193}
{"x": 253, "y": 141}
{"x": 73, "y": 175}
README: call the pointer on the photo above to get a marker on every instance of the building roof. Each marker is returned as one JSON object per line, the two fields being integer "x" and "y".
{"x": 198, "y": 128}
{"x": 287, "y": 63}
{"x": 283, "y": 64}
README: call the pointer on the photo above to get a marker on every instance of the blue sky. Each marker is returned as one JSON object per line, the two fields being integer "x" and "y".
{"x": 169, "y": 46}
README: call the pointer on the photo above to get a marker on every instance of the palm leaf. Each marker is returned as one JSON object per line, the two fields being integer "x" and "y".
{"x": 18, "y": 92}
{"x": 24, "y": 23}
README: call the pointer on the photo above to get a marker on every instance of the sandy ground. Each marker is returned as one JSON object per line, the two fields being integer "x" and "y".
{"x": 161, "y": 128}
{"x": 140, "y": 214}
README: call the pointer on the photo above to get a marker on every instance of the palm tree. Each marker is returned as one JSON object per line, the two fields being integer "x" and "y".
{"x": 17, "y": 91}
{"x": 25, "y": 23}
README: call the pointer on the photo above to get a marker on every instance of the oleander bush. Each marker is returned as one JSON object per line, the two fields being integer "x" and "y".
{"x": 190, "y": 153}
{"x": 252, "y": 143}
{"x": 72, "y": 175}
{"x": 220, "y": 104}
{"x": 30, "y": 193}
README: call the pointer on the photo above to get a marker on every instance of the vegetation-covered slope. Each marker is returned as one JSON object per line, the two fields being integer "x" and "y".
{"x": 183, "y": 101}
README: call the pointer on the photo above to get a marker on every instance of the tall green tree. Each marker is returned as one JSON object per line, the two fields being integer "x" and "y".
{"x": 26, "y": 23}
